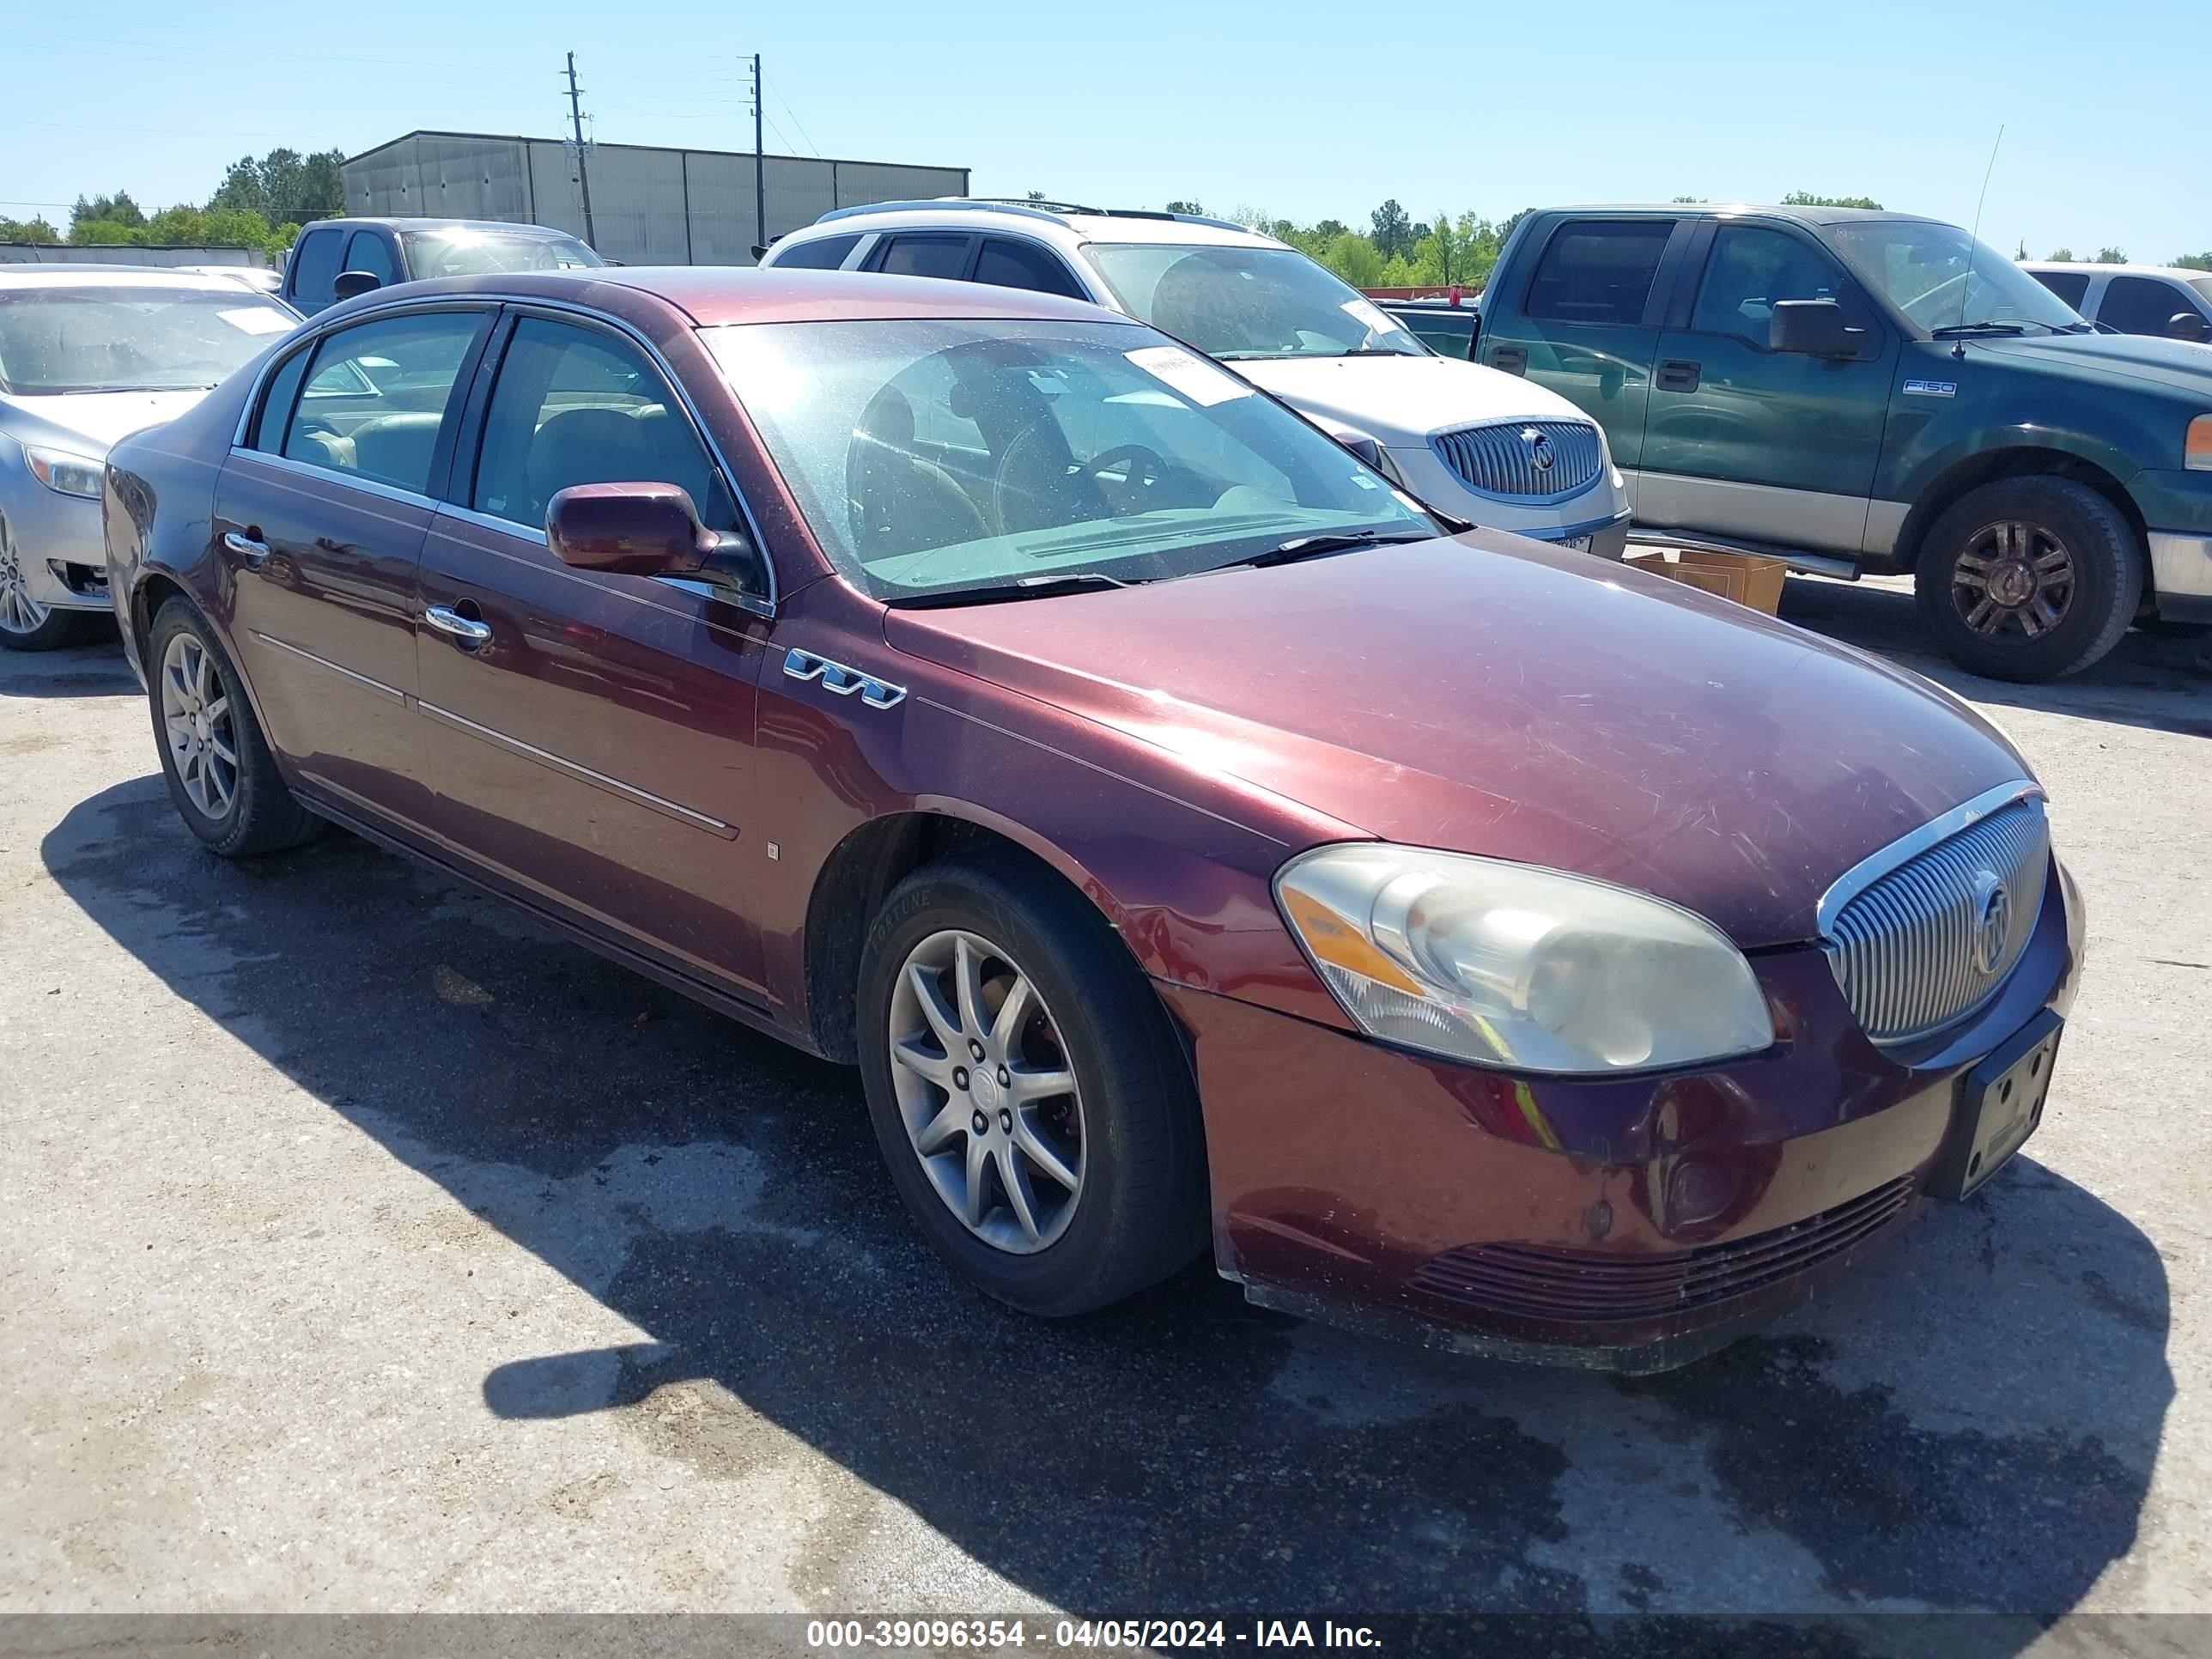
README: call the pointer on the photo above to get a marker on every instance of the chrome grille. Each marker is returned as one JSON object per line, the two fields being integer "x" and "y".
{"x": 1505, "y": 460}
{"x": 1915, "y": 951}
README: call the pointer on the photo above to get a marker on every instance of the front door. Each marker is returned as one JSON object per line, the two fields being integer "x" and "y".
{"x": 320, "y": 519}
{"x": 1773, "y": 447}
{"x": 589, "y": 735}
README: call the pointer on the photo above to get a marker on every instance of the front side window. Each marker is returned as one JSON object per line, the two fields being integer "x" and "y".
{"x": 1235, "y": 303}
{"x": 122, "y": 337}
{"x": 315, "y": 267}
{"x": 575, "y": 406}
{"x": 467, "y": 250}
{"x": 369, "y": 251}
{"x": 2140, "y": 305}
{"x": 937, "y": 458}
{"x": 1751, "y": 268}
{"x": 1004, "y": 262}
{"x": 1941, "y": 278}
{"x": 375, "y": 397}
{"x": 2071, "y": 286}
{"x": 1598, "y": 271}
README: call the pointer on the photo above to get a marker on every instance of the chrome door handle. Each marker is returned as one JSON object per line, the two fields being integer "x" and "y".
{"x": 256, "y": 554}
{"x": 461, "y": 628}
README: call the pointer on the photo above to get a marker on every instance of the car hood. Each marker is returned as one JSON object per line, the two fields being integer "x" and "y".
{"x": 90, "y": 422}
{"x": 1400, "y": 402}
{"x": 2176, "y": 365}
{"x": 1486, "y": 695}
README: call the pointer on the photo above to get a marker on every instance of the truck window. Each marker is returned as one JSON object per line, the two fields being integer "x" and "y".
{"x": 2140, "y": 305}
{"x": 367, "y": 251}
{"x": 315, "y": 268}
{"x": 2071, "y": 286}
{"x": 1750, "y": 269}
{"x": 1598, "y": 270}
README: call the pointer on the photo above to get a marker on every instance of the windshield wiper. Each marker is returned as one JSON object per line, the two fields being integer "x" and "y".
{"x": 1316, "y": 547}
{"x": 1028, "y": 587}
{"x": 1957, "y": 330}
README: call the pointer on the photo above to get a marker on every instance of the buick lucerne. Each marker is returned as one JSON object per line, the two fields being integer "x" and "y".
{"x": 1195, "y": 848}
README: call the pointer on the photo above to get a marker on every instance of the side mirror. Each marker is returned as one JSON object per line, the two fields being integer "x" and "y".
{"x": 2189, "y": 326}
{"x": 1812, "y": 328}
{"x": 645, "y": 530}
{"x": 1361, "y": 444}
{"x": 349, "y": 284}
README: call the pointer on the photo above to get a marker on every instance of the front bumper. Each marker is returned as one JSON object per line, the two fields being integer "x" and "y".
{"x": 58, "y": 546}
{"x": 1628, "y": 1226}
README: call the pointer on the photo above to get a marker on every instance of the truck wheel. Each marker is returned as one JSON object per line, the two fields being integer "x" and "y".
{"x": 1028, "y": 1097}
{"x": 2029, "y": 579}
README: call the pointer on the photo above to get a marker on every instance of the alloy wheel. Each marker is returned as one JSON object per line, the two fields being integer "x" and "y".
{"x": 989, "y": 1099}
{"x": 2013, "y": 575}
{"x": 196, "y": 720}
{"x": 19, "y": 612}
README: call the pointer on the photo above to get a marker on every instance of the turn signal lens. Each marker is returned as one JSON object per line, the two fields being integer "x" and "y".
{"x": 2196, "y": 447}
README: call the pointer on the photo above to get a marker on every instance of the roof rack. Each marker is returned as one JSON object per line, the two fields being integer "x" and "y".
{"x": 1034, "y": 209}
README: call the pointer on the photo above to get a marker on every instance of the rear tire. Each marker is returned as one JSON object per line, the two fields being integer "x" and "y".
{"x": 951, "y": 1113}
{"x": 220, "y": 772}
{"x": 2029, "y": 579}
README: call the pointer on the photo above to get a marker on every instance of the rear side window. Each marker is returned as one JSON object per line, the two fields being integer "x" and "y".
{"x": 1005, "y": 264}
{"x": 823, "y": 253}
{"x": 2140, "y": 305}
{"x": 925, "y": 256}
{"x": 276, "y": 404}
{"x": 376, "y": 397}
{"x": 369, "y": 251}
{"x": 1598, "y": 271}
{"x": 315, "y": 267}
{"x": 2071, "y": 286}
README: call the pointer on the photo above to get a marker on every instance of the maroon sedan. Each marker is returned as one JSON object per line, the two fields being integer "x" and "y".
{"x": 1194, "y": 843}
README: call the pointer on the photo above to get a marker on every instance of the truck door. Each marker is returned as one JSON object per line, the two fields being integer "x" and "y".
{"x": 1587, "y": 324}
{"x": 1745, "y": 441}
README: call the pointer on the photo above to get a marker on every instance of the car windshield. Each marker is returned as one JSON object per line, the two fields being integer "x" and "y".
{"x": 1244, "y": 302}
{"x": 939, "y": 457}
{"x": 118, "y": 338}
{"x": 1923, "y": 268}
{"x": 460, "y": 252}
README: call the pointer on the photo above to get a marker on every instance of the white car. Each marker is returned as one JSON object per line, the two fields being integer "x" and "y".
{"x": 2156, "y": 299}
{"x": 89, "y": 353}
{"x": 1475, "y": 442}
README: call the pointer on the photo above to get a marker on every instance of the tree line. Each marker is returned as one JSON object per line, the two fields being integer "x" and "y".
{"x": 261, "y": 204}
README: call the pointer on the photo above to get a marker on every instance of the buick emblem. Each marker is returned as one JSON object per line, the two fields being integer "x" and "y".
{"x": 1992, "y": 921}
{"x": 1540, "y": 449}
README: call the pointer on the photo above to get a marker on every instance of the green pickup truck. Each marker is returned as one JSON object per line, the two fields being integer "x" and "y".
{"x": 1859, "y": 391}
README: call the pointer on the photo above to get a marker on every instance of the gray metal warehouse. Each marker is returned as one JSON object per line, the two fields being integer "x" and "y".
{"x": 649, "y": 205}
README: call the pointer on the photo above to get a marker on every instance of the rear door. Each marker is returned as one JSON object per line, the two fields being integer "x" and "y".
{"x": 591, "y": 735}
{"x": 319, "y": 518}
{"x": 1742, "y": 440}
{"x": 1587, "y": 324}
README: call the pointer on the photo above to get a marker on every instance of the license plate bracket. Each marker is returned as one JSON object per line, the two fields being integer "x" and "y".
{"x": 2000, "y": 1105}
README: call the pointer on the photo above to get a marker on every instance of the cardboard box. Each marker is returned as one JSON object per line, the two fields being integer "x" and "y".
{"x": 1744, "y": 577}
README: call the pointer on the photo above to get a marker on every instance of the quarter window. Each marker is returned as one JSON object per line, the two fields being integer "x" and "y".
{"x": 369, "y": 251}
{"x": 276, "y": 402}
{"x": 2071, "y": 286}
{"x": 1750, "y": 269}
{"x": 1598, "y": 271}
{"x": 2140, "y": 305}
{"x": 925, "y": 256}
{"x": 823, "y": 253}
{"x": 376, "y": 394}
{"x": 575, "y": 406}
{"x": 1005, "y": 264}
{"x": 315, "y": 268}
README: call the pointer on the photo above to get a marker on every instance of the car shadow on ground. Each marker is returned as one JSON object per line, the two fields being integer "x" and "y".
{"x": 1970, "y": 1422}
{"x": 94, "y": 670}
{"x": 2149, "y": 680}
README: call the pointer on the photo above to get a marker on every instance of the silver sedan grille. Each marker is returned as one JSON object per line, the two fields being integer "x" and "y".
{"x": 1524, "y": 461}
{"x": 1930, "y": 941}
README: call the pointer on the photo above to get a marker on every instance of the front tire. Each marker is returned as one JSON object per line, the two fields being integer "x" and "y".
{"x": 218, "y": 766}
{"x": 2029, "y": 579}
{"x": 1028, "y": 1097}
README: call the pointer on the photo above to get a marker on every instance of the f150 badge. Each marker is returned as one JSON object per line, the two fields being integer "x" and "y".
{"x": 836, "y": 677}
{"x": 1931, "y": 388}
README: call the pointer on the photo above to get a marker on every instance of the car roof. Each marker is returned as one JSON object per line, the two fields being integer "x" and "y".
{"x": 401, "y": 223}
{"x": 1810, "y": 215}
{"x": 84, "y": 273}
{"x": 1053, "y": 221}
{"x": 713, "y": 295}
{"x": 2097, "y": 268}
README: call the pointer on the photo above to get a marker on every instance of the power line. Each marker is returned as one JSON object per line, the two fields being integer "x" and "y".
{"x": 795, "y": 121}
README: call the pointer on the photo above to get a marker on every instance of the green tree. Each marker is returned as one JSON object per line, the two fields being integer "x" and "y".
{"x": 1689, "y": 198}
{"x": 2060, "y": 256}
{"x": 1394, "y": 231}
{"x": 29, "y": 230}
{"x": 1354, "y": 257}
{"x": 1806, "y": 198}
{"x": 284, "y": 184}
{"x": 2021, "y": 252}
{"x": 1185, "y": 207}
{"x": 2111, "y": 256}
{"x": 2188, "y": 261}
{"x": 116, "y": 209}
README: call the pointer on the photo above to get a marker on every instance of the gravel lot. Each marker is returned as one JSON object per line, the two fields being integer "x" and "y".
{"x": 366, "y": 1250}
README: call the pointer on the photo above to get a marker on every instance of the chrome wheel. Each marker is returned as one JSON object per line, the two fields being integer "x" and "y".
{"x": 19, "y": 612}
{"x": 197, "y": 722}
{"x": 2013, "y": 575}
{"x": 986, "y": 1091}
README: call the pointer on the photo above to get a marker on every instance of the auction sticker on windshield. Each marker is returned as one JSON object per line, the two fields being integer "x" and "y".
{"x": 256, "y": 319}
{"x": 1198, "y": 380}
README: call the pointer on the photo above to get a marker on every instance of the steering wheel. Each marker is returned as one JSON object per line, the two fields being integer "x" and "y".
{"x": 1128, "y": 457}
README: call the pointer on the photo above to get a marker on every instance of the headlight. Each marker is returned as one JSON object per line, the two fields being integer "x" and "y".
{"x": 2196, "y": 447}
{"x": 1505, "y": 964}
{"x": 70, "y": 475}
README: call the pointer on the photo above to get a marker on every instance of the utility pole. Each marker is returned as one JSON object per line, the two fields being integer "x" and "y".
{"x": 583, "y": 173}
{"x": 760, "y": 184}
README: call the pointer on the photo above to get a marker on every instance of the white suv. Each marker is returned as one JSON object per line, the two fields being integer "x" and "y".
{"x": 1477, "y": 443}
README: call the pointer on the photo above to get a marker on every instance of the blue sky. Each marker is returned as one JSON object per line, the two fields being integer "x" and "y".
{"x": 1302, "y": 109}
